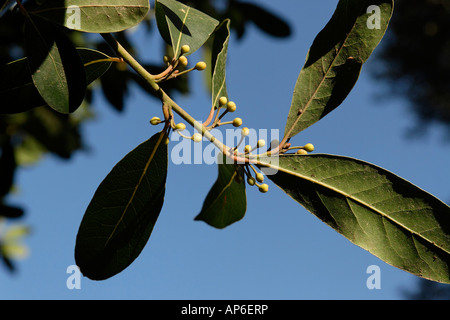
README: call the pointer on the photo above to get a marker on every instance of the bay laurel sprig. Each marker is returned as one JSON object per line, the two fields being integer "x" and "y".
{"x": 171, "y": 105}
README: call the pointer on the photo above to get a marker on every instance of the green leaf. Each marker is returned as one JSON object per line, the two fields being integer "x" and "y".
{"x": 56, "y": 68}
{"x": 18, "y": 92}
{"x": 219, "y": 60}
{"x": 96, "y": 16}
{"x": 226, "y": 202}
{"x": 375, "y": 209}
{"x": 181, "y": 25}
{"x": 121, "y": 215}
{"x": 334, "y": 61}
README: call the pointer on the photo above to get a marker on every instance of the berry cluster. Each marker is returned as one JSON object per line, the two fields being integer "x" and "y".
{"x": 219, "y": 109}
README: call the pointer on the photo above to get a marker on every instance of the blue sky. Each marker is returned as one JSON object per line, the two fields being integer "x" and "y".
{"x": 279, "y": 250}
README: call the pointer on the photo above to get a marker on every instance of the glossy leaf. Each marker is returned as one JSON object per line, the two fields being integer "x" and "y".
{"x": 18, "y": 92}
{"x": 121, "y": 215}
{"x": 56, "y": 68}
{"x": 226, "y": 202}
{"x": 97, "y": 16}
{"x": 181, "y": 25}
{"x": 375, "y": 209}
{"x": 335, "y": 60}
{"x": 219, "y": 60}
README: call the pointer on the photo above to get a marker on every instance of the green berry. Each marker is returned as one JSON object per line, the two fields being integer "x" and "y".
{"x": 197, "y": 137}
{"x": 183, "y": 61}
{"x": 251, "y": 181}
{"x": 245, "y": 131}
{"x": 237, "y": 122}
{"x": 166, "y": 59}
{"x": 261, "y": 143}
{"x": 155, "y": 121}
{"x": 185, "y": 49}
{"x": 200, "y": 66}
{"x": 223, "y": 101}
{"x": 264, "y": 188}
{"x": 301, "y": 152}
{"x": 309, "y": 147}
{"x": 259, "y": 177}
{"x": 231, "y": 106}
{"x": 181, "y": 126}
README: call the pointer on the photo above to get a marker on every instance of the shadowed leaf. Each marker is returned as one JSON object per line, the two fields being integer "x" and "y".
{"x": 120, "y": 217}
{"x": 18, "y": 92}
{"x": 56, "y": 68}
{"x": 226, "y": 202}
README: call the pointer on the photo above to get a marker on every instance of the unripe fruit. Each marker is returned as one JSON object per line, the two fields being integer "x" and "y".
{"x": 166, "y": 59}
{"x": 302, "y": 152}
{"x": 223, "y": 101}
{"x": 251, "y": 181}
{"x": 247, "y": 148}
{"x": 261, "y": 143}
{"x": 309, "y": 147}
{"x": 245, "y": 131}
{"x": 200, "y": 66}
{"x": 237, "y": 122}
{"x": 259, "y": 177}
{"x": 231, "y": 106}
{"x": 264, "y": 188}
{"x": 181, "y": 126}
{"x": 185, "y": 49}
{"x": 167, "y": 141}
{"x": 155, "y": 121}
{"x": 197, "y": 137}
{"x": 183, "y": 61}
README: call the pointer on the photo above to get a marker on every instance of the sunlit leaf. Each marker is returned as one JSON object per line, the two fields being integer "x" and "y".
{"x": 373, "y": 208}
{"x": 181, "y": 25}
{"x": 219, "y": 60}
{"x": 335, "y": 60}
{"x": 97, "y": 16}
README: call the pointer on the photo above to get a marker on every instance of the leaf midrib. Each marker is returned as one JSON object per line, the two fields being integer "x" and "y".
{"x": 223, "y": 190}
{"x": 356, "y": 200}
{"x": 177, "y": 49}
